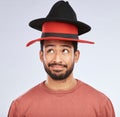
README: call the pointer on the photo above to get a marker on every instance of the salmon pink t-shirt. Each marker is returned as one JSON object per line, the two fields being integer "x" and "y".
{"x": 81, "y": 101}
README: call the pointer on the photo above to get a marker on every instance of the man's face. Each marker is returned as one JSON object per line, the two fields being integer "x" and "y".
{"x": 58, "y": 58}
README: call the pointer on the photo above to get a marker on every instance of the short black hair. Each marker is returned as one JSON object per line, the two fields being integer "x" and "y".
{"x": 75, "y": 45}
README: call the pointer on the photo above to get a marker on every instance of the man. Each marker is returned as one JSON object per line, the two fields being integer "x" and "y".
{"x": 61, "y": 95}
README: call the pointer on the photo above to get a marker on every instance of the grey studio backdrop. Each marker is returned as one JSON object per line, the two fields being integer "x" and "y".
{"x": 20, "y": 67}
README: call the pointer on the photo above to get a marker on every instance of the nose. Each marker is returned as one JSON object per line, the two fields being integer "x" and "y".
{"x": 57, "y": 57}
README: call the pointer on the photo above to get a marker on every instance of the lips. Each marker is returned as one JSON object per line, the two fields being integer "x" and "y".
{"x": 57, "y": 67}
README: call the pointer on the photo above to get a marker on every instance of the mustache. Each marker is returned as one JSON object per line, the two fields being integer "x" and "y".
{"x": 52, "y": 64}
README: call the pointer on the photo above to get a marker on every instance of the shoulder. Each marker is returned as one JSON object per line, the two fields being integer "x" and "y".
{"x": 94, "y": 100}
{"x": 23, "y": 102}
{"x": 29, "y": 95}
{"x": 92, "y": 94}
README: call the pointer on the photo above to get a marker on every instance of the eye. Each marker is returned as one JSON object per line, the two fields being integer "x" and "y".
{"x": 65, "y": 51}
{"x": 50, "y": 51}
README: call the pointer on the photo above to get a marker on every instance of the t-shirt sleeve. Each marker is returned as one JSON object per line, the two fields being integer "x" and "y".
{"x": 108, "y": 110}
{"x": 12, "y": 111}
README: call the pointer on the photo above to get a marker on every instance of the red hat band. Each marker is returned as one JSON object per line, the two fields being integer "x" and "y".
{"x": 59, "y": 29}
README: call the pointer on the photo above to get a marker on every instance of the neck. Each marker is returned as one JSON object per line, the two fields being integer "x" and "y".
{"x": 65, "y": 84}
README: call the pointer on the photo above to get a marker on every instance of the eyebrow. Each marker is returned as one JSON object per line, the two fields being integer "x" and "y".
{"x": 63, "y": 45}
{"x": 49, "y": 45}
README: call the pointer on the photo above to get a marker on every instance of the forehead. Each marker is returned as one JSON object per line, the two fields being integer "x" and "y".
{"x": 57, "y": 42}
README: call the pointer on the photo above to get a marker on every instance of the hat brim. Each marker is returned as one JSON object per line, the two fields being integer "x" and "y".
{"x": 82, "y": 27}
{"x": 59, "y": 38}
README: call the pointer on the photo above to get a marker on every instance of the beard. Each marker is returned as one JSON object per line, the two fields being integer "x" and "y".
{"x": 55, "y": 74}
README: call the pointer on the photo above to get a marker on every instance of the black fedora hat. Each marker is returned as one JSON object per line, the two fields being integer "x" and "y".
{"x": 61, "y": 12}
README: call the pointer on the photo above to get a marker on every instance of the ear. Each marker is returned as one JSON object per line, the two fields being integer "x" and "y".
{"x": 41, "y": 55}
{"x": 77, "y": 56}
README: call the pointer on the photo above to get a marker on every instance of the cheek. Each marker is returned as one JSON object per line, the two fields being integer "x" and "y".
{"x": 73, "y": 58}
{"x": 69, "y": 59}
{"x": 47, "y": 58}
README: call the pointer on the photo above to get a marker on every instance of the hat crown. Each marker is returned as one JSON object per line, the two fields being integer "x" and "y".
{"x": 62, "y": 10}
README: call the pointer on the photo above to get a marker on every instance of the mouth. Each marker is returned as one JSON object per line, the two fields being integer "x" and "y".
{"x": 57, "y": 67}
